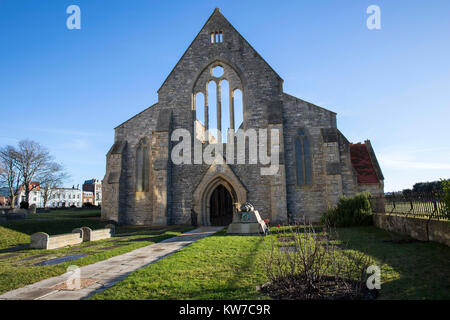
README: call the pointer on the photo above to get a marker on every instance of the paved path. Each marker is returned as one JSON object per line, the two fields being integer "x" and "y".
{"x": 104, "y": 274}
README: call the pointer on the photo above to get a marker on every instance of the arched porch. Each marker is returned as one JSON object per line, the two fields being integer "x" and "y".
{"x": 206, "y": 188}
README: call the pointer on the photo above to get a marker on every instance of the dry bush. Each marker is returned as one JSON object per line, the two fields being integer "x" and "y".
{"x": 314, "y": 267}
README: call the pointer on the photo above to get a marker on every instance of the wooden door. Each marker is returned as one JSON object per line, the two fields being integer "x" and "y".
{"x": 221, "y": 207}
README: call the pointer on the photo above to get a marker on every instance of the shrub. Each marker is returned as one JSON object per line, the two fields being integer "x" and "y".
{"x": 314, "y": 267}
{"x": 24, "y": 205}
{"x": 350, "y": 211}
{"x": 446, "y": 195}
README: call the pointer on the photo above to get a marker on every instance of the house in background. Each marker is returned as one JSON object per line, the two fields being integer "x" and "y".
{"x": 64, "y": 197}
{"x": 4, "y": 201}
{"x": 35, "y": 196}
{"x": 94, "y": 186}
{"x": 88, "y": 198}
{"x": 4, "y": 197}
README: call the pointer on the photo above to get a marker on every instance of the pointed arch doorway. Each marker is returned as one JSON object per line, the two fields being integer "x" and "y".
{"x": 218, "y": 177}
{"x": 221, "y": 207}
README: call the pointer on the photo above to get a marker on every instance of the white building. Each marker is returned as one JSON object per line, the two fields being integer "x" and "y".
{"x": 59, "y": 197}
{"x": 65, "y": 197}
{"x": 34, "y": 198}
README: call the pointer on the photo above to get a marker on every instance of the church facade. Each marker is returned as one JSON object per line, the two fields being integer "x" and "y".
{"x": 222, "y": 83}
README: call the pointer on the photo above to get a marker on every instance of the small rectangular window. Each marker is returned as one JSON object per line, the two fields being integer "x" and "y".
{"x": 216, "y": 37}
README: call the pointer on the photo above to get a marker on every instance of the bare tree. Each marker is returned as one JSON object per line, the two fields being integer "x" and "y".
{"x": 50, "y": 180}
{"x": 36, "y": 164}
{"x": 10, "y": 175}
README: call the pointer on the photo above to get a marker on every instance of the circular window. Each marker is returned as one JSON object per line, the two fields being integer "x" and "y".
{"x": 217, "y": 71}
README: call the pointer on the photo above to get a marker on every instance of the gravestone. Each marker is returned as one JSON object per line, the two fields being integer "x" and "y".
{"x": 93, "y": 235}
{"x": 247, "y": 221}
{"x": 41, "y": 240}
{"x": 32, "y": 209}
{"x": 15, "y": 214}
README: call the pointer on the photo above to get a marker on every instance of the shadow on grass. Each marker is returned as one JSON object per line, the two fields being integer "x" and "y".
{"x": 235, "y": 285}
{"x": 56, "y": 222}
{"x": 53, "y": 227}
{"x": 297, "y": 229}
{"x": 248, "y": 262}
{"x": 16, "y": 248}
{"x": 409, "y": 270}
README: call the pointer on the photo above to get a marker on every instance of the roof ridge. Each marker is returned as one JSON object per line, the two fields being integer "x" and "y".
{"x": 217, "y": 12}
{"x": 310, "y": 103}
{"x": 137, "y": 114}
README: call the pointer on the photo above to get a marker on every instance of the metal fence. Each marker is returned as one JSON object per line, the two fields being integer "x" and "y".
{"x": 423, "y": 205}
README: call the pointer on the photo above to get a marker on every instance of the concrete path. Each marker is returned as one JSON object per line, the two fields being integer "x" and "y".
{"x": 104, "y": 274}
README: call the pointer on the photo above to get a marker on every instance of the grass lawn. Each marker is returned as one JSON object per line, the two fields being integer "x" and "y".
{"x": 17, "y": 232}
{"x": 17, "y": 267}
{"x": 217, "y": 267}
{"x": 230, "y": 267}
{"x": 414, "y": 270}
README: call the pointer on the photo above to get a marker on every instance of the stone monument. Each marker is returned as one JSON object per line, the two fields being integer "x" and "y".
{"x": 32, "y": 209}
{"x": 247, "y": 221}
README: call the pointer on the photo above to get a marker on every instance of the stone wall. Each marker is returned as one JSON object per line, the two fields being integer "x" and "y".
{"x": 121, "y": 202}
{"x": 375, "y": 189}
{"x": 348, "y": 173}
{"x": 417, "y": 228}
{"x": 310, "y": 201}
{"x": 113, "y": 182}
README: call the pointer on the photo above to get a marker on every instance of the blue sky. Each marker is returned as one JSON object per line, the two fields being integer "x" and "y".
{"x": 68, "y": 89}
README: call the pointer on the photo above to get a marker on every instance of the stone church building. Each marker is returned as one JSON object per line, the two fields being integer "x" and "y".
{"x": 221, "y": 82}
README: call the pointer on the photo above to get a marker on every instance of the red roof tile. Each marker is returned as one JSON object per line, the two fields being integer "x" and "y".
{"x": 362, "y": 163}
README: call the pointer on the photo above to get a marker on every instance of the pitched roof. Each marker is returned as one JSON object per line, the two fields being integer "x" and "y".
{"x": 136, "y": 115}
{"x": 216, "y": 15}
{"x": 362, "y": 162}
